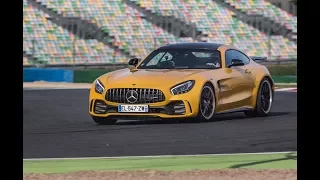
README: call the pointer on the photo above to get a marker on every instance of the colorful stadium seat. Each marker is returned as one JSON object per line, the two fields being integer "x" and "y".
{"x": 132, "y": 32}
{"x": 54, "y": 44}
{"x": 267, "y": 9}
{"x": 220, "y": 25}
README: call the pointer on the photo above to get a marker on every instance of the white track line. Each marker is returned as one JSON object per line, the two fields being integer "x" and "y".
{"x": 287, "y": 89}
{"x": 160, "y": 156}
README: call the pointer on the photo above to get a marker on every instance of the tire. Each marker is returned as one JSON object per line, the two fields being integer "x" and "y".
{"x": 103, "y": 121}
{"x": 207, "y": 103}
{"x": 262, "y": 109}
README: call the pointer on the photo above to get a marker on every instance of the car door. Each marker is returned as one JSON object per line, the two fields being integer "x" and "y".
{"x": 249, "y": 73}
{"x": 235, "y": 86}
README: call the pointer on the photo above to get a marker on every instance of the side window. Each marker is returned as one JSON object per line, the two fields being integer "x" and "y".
{"x": 229, "y": 57}
{"x": 233, "y": 54}
{"x": 244, "y": 58}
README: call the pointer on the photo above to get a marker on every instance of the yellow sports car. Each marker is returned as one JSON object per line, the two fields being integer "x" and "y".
{"x": 184, "y": 80}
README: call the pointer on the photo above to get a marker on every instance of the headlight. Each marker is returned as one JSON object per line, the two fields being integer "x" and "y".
{"x": 99, "y": 88}
{"x": 183, "y": 87}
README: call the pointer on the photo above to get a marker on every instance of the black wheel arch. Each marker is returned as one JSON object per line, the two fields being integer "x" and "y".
{"x": 271, "y": 81}
{"x": 214, "y": 92}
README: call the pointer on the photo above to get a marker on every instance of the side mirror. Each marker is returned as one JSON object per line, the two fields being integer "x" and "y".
{"x": 133, "y": 62}
{"x": 236, "y": 62}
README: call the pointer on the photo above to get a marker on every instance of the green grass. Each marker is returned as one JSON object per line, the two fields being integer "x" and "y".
{"x": 283, "y": 70}
{"x": 262, "y": 161}
{"x": 285, "y": 79}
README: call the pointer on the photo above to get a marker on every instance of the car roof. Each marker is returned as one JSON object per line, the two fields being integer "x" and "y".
{"x": 192, "y": 45}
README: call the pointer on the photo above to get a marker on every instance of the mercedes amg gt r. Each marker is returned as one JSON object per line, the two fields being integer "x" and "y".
{"x": 184, "y": 80}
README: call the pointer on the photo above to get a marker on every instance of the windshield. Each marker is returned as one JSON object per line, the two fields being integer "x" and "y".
{"x": 182, "y": 59}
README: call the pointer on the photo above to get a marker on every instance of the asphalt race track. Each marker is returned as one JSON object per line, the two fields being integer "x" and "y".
{"x": 56, "y": 124}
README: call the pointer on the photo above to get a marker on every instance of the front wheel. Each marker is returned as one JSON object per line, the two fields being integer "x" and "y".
{"x": 264, "y": 100}
{"x": 207, "y": 103}
{"x": 103, "y": 120}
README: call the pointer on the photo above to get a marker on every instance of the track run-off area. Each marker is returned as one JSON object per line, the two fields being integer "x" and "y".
{"x": 56, "y": 124}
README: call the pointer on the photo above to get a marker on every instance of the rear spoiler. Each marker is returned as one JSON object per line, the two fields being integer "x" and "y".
{"x": 257, "y": 58}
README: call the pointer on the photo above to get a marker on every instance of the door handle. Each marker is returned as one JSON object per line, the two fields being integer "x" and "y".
{"x": 247, "y": 71}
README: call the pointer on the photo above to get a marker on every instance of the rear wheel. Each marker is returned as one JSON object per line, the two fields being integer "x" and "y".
{"x": 207, "y": 103}
{"x": 264, "y": 100}
{"x": 103, "y": 120}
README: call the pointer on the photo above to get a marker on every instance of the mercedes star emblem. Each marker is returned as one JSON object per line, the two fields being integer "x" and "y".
{"x": 132, "y": 96}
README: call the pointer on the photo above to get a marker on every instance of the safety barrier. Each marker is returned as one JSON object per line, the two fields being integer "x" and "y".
{"x": 88, "y": 76}
{"x": 46, "y": 74}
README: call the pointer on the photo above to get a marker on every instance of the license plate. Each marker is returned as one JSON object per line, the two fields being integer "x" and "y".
{"x": 133, "y": 108}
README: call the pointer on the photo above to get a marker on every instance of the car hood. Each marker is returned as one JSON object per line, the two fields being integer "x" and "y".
{"x": 154, "y": 77}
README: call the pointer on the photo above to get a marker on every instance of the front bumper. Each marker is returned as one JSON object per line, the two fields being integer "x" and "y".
{"x": 99, "y": 105}
{"x": 173, "y": 109}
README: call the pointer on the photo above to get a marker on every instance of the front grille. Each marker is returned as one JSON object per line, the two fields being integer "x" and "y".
{"x": 118, "y": 95}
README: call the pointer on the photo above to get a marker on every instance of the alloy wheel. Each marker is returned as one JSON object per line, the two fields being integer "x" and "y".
{"x": 207, "y": 102}
{"x": 266, "y": 97}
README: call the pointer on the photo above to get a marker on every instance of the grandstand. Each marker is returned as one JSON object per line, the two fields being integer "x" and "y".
{"x": 267, "y": 9}
{"x": 130, "y": 34}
